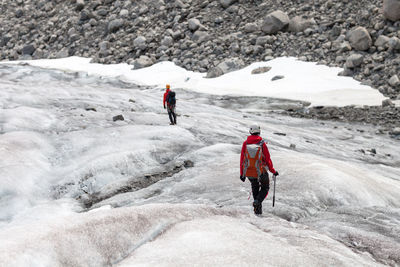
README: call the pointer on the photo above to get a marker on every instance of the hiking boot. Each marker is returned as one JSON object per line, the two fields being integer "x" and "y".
{"x": 257, "y": 208}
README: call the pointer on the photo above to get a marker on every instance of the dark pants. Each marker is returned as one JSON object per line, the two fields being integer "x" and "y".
{"x": 260, "y": 187}
{"x": 172, "y": 115}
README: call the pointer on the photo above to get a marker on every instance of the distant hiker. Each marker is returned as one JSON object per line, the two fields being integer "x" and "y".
{"x": 170, "y": 100}
{"x": 254, "y": 159}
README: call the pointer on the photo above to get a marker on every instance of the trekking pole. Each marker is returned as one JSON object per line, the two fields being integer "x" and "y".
{"x": 273, "y": 198}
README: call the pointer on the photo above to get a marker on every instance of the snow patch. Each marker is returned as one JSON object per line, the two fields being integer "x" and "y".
{"x": 304, "y": 81}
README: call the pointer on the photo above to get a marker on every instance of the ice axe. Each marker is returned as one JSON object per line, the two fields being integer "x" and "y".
{"x": 273, "y": 197}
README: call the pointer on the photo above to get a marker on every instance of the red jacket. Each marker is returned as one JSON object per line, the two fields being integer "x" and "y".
{"x": 254, "y": 139}
{"x": 165, "y": 96}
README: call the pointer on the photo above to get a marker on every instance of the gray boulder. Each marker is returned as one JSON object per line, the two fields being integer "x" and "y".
{"x": 5, "y": 39}
{"x": 80, "y": 4}
{"x": 74, "y": 37}
{"x": 275, "y": 22}
{"x": 214, "y": 72}
{"x": 235, "y": 47}
{"x": 143, "y": 10}
{"x": 394, "y": 81}
{"x": 53, "y": 38}
{"x": 299, "y": 24}
{"x": 226, "y": 66}
{"x": 251, "y": 27}
{"x": 391, "y": 9}
{"x": 263, "y": 40}
{"x": 180, "y": 4}
{"x": 200, "y": 36}
{"x": 142, "y": 62}
{"x": 360, "y": 39}
{"x": 344, "y": 47}
{"x": 231, "y": 64}
{"x": 140, "y": 43}
{"x": 277, "y": 77}
{"x": 102, "y": 12}
{"x": 335, "y": 32}
{"x": 194, "y": 24}
{"x": 260, "y": 70}
{"x": 167, "y": 41}
{"x": 387, "y": 103}
{"x": 85, "y": 15}
{"x": 115, "y": 25}
{"x": 104, "y": 46}
{"x": 118, "y": 118}
{"x": 38, "y": 54}
{"x": 124, "y": 13}
{"x": 62, "y": 53}
{"x": 218, "y": 20}
{"x": 19, "y": 13}
{"x": 227, "y": 3}
{"x": 176, "y": 35}
{"x": 28, "y": 50}
{"x": 394, "y": 43}
{"x": 346, "y": 72}
{"x": 395, "y": 131}
{"x": 354, "y": 61}
{"x": 382, "y": 41}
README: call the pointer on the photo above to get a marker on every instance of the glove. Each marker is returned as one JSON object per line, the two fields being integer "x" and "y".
{"x": 276, "y": 173}
{"x": 243, "y": 178}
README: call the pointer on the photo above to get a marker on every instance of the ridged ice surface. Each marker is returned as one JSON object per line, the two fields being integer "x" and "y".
{"x": 78, "y": 189}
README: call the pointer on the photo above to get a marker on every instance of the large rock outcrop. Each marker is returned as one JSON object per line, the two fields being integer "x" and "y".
{"x": 391, "y": 9}
{"x": 360, "y": 39}
{"x": 275, "y": 22}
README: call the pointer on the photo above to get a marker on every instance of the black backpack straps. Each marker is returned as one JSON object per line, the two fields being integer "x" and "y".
{"x": 172, "y": 99}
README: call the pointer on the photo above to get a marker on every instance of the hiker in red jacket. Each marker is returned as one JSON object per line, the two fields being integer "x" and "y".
{"x": 254, "y": 159}
{"x": 170, "y": 100}
{"x": 167, "y": 89}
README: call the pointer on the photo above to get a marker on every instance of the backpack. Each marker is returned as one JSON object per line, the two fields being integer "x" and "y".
{"x": 253, "y": 160}
{"x": 171, "y": 100}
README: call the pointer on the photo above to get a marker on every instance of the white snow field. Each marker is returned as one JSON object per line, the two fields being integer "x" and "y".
{"x": 305, "y": 81}
{"x": 79, "y": 189}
